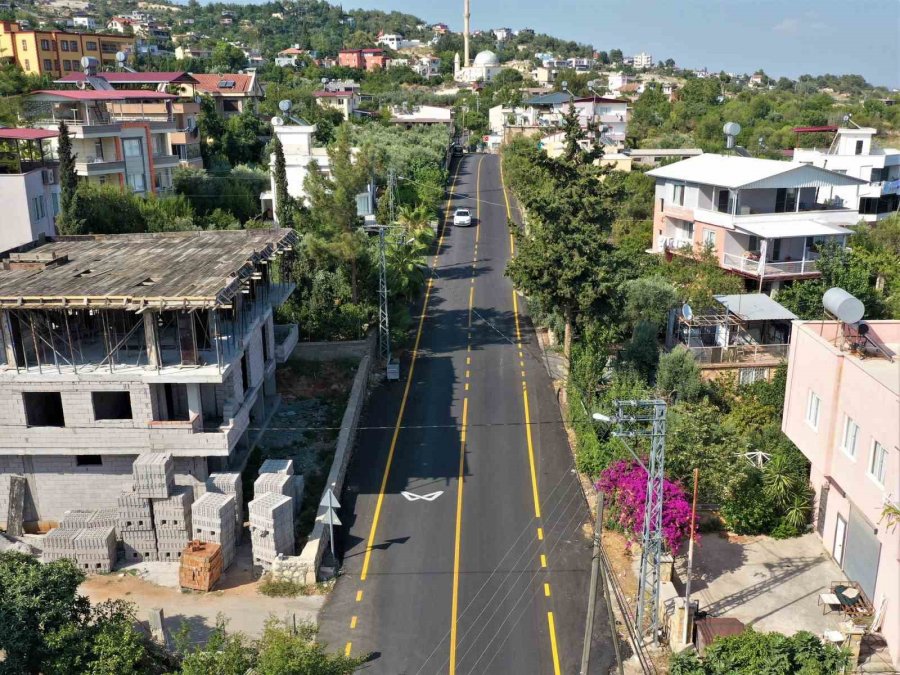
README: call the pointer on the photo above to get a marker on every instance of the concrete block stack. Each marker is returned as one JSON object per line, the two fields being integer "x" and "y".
{"x": 154, "y": 475}
{"x": 277, "y": 475}
{"x": 276, "y": 483}
{"x": 271, "y": 527}
{"x": 95, "y": 548}
{"x": 230, "y": 484}
{"x": 212, "y": 519}
{"x": 59, "y": 543}
{"x": 135, "y": 527}
{"x": 76, "y": 519}
{"x": 285, "y": 466}
{"x": 172, "y": 522}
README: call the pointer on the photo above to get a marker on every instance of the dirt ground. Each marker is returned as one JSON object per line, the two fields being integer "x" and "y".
{"x": 155, "y": 585}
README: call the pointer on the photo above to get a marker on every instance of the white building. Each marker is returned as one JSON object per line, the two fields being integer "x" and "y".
{"x": 299, "y": 153}
{"x": 853, "y": 152}
{"x": 502, "y": 34}
{"x": 86, "y": 22}
{"x": 168, "y": 346}
{"x": 616, "y": 81}
{"x": 426, "y": 66}
{"x": 391, "y": 40}
{"x": 29, "y": 186}
{"x": 484, "y": 68}
{"x": 421, "y": 115}
{"x": 642, "y": 61}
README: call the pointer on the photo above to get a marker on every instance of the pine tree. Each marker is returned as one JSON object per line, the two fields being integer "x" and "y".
{"x": 283, "y": 201}
{"x": 68, "y": 180}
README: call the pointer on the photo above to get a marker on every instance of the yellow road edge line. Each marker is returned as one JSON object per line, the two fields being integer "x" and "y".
{"x": 534, "y": 485}
{"x": 347, "y": 648}
{"x": 553, "y": 648}
{"x": 353, "y": 622}
{"x": 458, "y": 544}
{"x": 412, "y": 365}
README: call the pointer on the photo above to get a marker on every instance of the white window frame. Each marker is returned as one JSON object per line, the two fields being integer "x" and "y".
{"x": 707, "y": 239}
{"x": 850, "y": 451}
{"x": 812, "y": 416}
{"x": 675, "y": 194}
{"x": 876, "y": 452}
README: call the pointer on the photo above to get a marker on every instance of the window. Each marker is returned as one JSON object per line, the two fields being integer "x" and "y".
{"x": 43, "y": 409}
{"x": 91, "y": 45}
{"x": 848, "y": 440}
{"x": 813, "y": 403}
{"x": 88, "y": 460}
{"x": 751, "y": 375}
{"x": 859, "y": 147}
{"x": 785, "y": 200}
{"x": 709, "y": 238}
{"x": 111, "y": 405}
{"x": 48, "y": 64}
{"x": 67, "y": 64}
{"x": 55, "y": 198}
{"x": 98, "y": 149}
{"x": 753, "y": 245}
{"x": 27, "y": 64}
{"x": 722, "y": 201}
{"x": 878, "y": 462}
{"x": 24, "y": 46}
{"x": 45, "y": 45}
{"x": 133, "y": 147}
{"x": 73, "y": 46}
{"x": 137, "y": 182}
{"x": 37, "y": 207}
{"x": 65, "y": 45}
{"x": 678, "y": 195}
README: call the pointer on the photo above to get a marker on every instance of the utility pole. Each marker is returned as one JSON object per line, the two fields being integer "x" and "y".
{"x": 592, "y": 593}
{"x": 690, "y": 561}
{"x": 384, "y": 328}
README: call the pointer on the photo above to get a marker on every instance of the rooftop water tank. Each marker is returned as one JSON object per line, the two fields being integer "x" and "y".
{"x": 845, "y": 307}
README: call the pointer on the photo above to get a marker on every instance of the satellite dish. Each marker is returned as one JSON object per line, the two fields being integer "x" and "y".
{"x": 731, "y": 128}
{"x": 686, "y": 312}
{"x": 120, "y": 57}
{"x": 284, "y": 105}
{"x": 277, "y": 121}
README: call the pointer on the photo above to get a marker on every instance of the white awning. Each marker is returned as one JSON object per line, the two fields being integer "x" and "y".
{"x": 796, "y": 228}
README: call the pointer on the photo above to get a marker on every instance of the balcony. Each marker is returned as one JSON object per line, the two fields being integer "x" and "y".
{"x": 747, "y": 354}
{"x": 819, "y": 212}
{"x": 163, "y": 160}
{"x": 99, "y": 166}
{"x": 755, "y": 268}
{"x": 286, "y": 336}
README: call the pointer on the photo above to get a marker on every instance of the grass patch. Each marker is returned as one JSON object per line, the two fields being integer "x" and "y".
{"x": 288, "y": 589}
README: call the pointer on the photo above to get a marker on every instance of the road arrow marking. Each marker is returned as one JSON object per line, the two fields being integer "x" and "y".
{"x": 430, "y": 497}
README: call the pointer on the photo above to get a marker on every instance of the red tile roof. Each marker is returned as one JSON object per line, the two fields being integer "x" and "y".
{"x": 209, "y": 83}
{"x": 133, "y": 78}
{"x": 292, "y": 50}
{"x": 105, "y": 94}
{"x": 27, "y": 134}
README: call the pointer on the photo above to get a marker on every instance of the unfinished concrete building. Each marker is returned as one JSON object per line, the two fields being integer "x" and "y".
{"x": 117, "y": 345}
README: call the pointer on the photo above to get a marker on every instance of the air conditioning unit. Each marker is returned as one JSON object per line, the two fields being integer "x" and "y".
{"x": 49, "y": 176}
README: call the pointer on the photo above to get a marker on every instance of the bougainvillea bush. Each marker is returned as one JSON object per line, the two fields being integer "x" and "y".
{"x": 624, "y": 484}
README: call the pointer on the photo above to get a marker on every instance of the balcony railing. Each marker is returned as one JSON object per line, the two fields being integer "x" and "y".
{"x": 740, "y": 353}
{"x": 752, "y": 267}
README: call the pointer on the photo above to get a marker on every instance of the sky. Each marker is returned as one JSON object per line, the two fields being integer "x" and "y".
{"x": 783, "y": 37}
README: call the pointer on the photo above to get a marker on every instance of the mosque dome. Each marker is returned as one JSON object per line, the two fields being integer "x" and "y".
{"x": 486, "y": 59}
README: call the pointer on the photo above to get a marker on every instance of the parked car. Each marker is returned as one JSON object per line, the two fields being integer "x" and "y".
{"x": 462, "y": 218}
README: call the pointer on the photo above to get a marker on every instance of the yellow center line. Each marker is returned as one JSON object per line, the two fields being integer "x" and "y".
{"x": 552, "y": 625}
{"x": 347, "y": 648}
{"x": 456, "y": 550}
{"x": 359, "y": 595}
{"x": 409, "y": 378}
{"x": 352, "y": 622}
{"x": 534, "y": 486}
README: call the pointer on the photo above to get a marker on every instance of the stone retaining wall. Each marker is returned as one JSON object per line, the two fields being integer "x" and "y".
{"x": 331, "y": 351}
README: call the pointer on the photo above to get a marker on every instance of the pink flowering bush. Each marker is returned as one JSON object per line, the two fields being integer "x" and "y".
{"x": 624, "y": 484}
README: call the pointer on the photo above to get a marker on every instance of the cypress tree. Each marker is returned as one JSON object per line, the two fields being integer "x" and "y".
{"x": 68, "y": 179}
{"x": 283, "y": 201}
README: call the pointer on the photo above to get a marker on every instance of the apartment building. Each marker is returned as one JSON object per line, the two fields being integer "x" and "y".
{"x": 29, "y": 186}
{"x": 233, "y": 93}
{"x": 547, "y": 110}
{"x": 368, "y": 59}
{"x": 642, "y": 61}
{"x": 762, "y": 219}
{"x": 841, "y": 410}
{"x": 185, "y": 140}
{"x": 117, "y": 345}
{"x": 118, "y": 137}
{"x": 854, "y": 152}
{"x": 56, "y": 52}
{"x": 344, "y": 101}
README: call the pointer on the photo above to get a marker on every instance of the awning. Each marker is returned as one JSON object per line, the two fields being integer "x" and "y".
{"x": 780, "y": 229}
{"x": 755, "y": 307}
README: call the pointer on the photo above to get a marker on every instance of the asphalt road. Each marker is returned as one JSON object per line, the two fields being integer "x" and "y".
{"x": 463, "y": 547}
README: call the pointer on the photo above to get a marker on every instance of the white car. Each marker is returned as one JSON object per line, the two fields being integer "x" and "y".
{"x": 462, "y": 218}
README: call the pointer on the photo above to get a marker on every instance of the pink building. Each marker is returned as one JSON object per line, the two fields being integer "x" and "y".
{"x": 842, "y": 409}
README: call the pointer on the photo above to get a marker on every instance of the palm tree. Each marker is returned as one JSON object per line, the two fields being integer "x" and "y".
{"x": 414, "y": 217}
{"x": 779, "y": 480}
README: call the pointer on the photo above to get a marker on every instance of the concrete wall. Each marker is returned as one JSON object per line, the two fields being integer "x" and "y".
{"x": 330, "y": 351}
{"x": 16, "y": 193}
